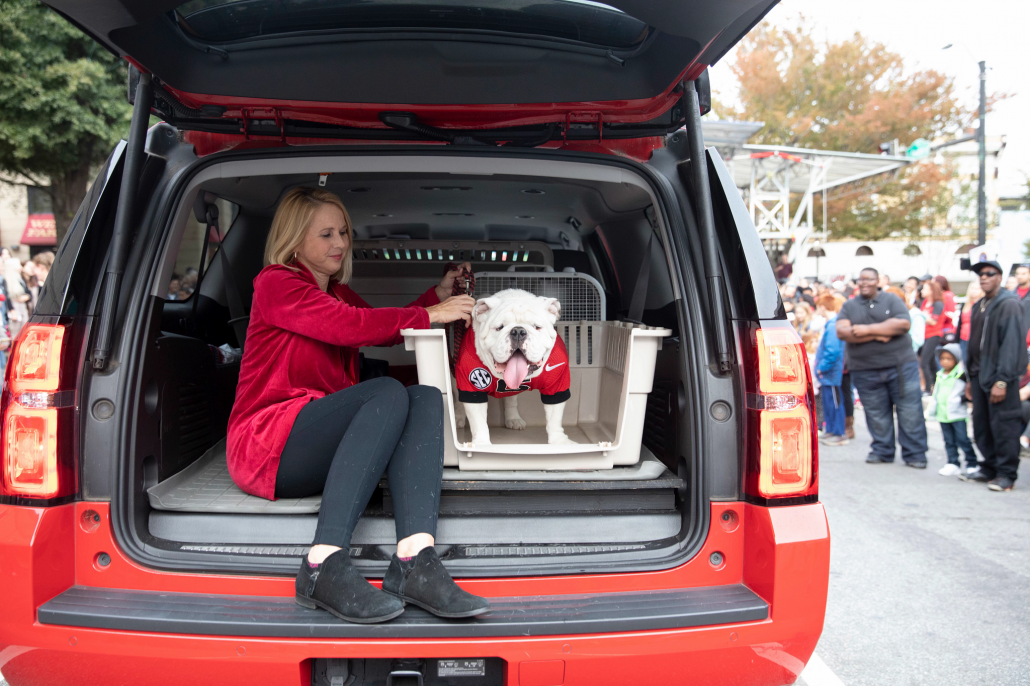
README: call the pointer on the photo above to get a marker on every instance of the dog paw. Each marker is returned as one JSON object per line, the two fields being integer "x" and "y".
{"x": 517, "y": 423}
{"x": 559, "y": 439}
{"x": 459, "y": 422}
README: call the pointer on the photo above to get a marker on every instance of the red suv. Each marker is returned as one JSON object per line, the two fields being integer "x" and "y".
{"x": 550, "y": 136}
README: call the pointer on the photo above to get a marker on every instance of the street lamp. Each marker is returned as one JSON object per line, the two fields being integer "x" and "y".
{"x": 981, "y": 136}
{"x": 817, "y": 252}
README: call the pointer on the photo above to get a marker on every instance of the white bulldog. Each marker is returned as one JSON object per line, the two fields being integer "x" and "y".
{"x": 513, "y": 348}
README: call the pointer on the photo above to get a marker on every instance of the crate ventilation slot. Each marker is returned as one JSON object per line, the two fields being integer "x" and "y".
{"x": 526, "y": 254}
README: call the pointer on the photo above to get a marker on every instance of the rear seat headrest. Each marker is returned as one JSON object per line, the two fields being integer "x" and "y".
{"x": 205, "y": 205}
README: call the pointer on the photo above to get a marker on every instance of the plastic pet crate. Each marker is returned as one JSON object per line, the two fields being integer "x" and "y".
{"x": 612, "y": 368}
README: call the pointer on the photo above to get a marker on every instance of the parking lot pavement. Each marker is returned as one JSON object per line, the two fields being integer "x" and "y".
{"x": 929, "y": 576}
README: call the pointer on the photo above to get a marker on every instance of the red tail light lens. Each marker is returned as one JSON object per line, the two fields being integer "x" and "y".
{"x": 782, "y": 362}
{"x": 783, "y": 458}
{"x": 30, "y": 452}
{"x": 786, "y": 452}
{"x": 36, "y": 358}
{"x": 34, "y": 408}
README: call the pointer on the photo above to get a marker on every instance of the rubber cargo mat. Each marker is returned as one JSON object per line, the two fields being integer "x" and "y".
{"x": 205, "y": 486}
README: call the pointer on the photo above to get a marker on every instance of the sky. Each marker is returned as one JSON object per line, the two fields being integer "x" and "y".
{"x": 990, "y": 30}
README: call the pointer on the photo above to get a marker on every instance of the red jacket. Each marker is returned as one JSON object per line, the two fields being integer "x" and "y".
{"x": 929, "y": 308}
{"x": 301, "y": 345}
{"x": 948, "y": 326}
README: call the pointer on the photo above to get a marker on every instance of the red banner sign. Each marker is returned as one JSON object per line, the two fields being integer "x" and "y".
{"x": 40, "y": 229}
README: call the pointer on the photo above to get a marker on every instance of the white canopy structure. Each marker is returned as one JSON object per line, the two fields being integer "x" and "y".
{"x": 767, "y": 175}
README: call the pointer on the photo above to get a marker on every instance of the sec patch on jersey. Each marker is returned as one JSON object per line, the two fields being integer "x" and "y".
{"x": 480, "y": 378}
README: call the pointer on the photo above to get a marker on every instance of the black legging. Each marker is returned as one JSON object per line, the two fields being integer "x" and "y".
{"x": 341, "y": 444}
{"x": 928, "y": 361}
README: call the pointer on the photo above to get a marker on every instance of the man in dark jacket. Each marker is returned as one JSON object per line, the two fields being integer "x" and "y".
{"x": 995, "y": 360}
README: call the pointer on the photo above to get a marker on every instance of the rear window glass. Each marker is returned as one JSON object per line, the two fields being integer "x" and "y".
{"x": 577, "y": 20}
{"x": 194, "y": 256}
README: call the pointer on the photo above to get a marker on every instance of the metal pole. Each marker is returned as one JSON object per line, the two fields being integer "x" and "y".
{"x": 706, "y": 225}
{"x": 824, "y": 210}
{"x": 123, "y": 217}
{"x": 981, "y": 194}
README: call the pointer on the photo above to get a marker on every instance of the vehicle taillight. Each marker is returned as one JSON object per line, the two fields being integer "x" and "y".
{"x": 783, "y": 453}
{"x": 38, "y": 453}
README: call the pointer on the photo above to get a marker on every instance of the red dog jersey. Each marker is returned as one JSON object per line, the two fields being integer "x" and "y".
{"x": 475, "y": 382}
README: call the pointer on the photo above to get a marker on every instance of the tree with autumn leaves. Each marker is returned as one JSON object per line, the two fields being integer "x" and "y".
{"x": 853, "y": 96}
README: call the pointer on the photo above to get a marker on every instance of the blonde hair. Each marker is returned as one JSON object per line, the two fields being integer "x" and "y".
{"x": 291, "y": 222}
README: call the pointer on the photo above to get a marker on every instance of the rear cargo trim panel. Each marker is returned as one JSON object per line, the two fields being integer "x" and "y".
{"x": 223, "y": 615}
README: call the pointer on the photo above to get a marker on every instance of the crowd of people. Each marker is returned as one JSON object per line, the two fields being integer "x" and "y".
{"x": 19, "y": 291}
{"x": 917, "y": 354}
{"x": 181, "y": 286}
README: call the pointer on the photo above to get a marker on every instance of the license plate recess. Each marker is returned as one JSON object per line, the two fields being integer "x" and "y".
{"x": 457, "y": 671}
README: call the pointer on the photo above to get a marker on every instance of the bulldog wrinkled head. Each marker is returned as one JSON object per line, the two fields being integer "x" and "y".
{"x": 515, "y": 333}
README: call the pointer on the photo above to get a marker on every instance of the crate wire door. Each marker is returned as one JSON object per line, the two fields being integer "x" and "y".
{"x": 580, "y": 295}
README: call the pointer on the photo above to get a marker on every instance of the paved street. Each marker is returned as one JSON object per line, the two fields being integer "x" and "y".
{"x": 929, "y": 576}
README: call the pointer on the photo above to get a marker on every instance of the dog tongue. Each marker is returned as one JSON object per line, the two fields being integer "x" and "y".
{"x": 515, "y": 369}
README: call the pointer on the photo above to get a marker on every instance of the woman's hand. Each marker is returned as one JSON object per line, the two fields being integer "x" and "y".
{"x": 452, "y": 309}
{"x": 446, "y": 287}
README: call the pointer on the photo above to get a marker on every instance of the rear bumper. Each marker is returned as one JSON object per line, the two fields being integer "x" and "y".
{"x": 52, "y": 629}
{"x": 262, "y": 617}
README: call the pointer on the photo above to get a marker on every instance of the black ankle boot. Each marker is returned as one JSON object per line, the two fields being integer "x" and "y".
{"x": 337, "y": 587}
{"x": 423, "y": 581}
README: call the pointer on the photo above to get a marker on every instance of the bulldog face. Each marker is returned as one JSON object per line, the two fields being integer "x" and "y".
{"x": 515, "y": 333}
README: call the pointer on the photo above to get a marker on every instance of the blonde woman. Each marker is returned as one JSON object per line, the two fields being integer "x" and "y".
{"x": 303, "y": 425}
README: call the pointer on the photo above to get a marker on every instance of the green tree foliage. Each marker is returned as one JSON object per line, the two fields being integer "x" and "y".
{"x": 852, "y": 96}
{"x": 62, "y": 103}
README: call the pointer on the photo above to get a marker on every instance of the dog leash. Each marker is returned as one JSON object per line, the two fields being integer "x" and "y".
{"x": 464, "y": 284}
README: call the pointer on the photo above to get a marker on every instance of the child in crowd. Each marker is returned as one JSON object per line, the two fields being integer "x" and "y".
{"x": 829, "y": 369}
{"x": 947, "y": 407}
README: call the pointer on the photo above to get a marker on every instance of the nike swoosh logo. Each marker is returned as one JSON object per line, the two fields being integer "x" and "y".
{"x": 549, "y": 367}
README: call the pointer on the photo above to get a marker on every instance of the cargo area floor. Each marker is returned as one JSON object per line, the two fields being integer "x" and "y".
{"x": 482, "y": 514}
{"x": 205, "y": 486}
